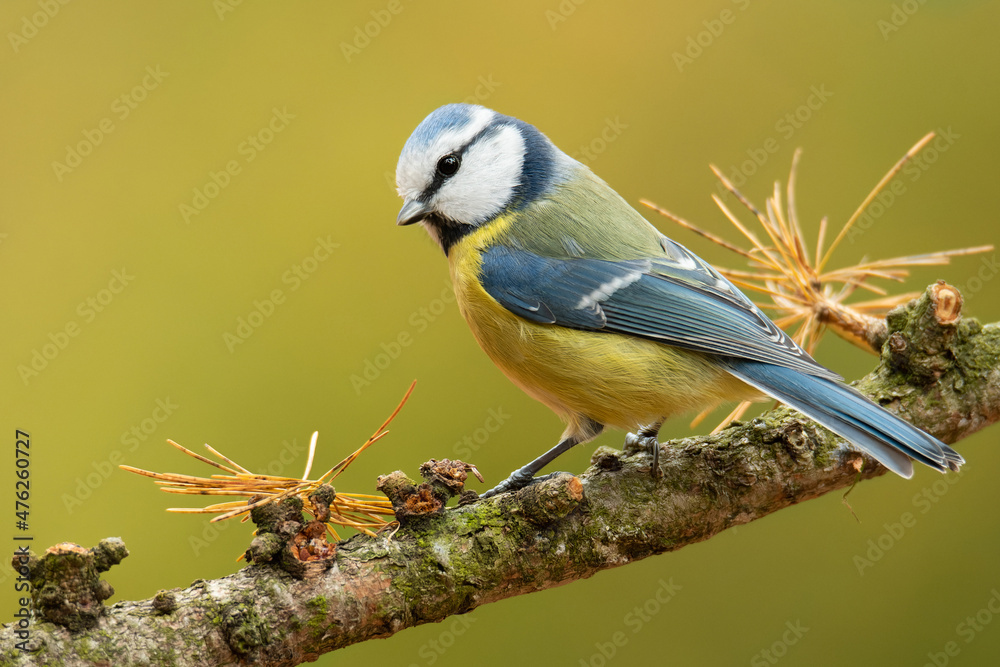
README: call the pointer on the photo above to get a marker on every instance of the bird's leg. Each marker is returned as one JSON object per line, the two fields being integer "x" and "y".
{"x": 645, "y": 438}
{"x": 522, "y": 477}
{"x": 584, "y": 429}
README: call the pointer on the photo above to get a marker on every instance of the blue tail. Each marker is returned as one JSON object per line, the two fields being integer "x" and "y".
{"x": 843, "y": 410}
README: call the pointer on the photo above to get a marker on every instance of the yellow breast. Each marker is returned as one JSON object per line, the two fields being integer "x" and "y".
{"x": 617, "y": 380}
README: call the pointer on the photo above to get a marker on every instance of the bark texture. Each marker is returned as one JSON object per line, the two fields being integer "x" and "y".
{"x": 937, "y": 370}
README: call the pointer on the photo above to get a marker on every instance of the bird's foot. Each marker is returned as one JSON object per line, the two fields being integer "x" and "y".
{"x": 517, "y": 480}
{"x": 646, "y": 442}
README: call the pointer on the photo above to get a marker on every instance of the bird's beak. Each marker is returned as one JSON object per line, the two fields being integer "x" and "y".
{"x": 412, "y": 211}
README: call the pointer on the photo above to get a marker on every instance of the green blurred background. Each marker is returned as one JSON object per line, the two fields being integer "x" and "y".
{"x": 156, "y": 99}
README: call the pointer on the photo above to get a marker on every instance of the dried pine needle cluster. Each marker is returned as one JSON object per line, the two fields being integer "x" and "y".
{"x": 804, "y": 293}
{"x": 362, "y": 512}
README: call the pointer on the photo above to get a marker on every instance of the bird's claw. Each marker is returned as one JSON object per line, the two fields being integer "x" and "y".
{"x": 649, "y": 444}
{"x": 517, "y": 480}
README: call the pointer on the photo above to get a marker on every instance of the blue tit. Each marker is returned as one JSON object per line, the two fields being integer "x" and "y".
{"x": 589, "y": 309}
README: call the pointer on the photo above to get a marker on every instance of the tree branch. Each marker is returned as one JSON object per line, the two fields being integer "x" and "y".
{"x": 937, "y": 371}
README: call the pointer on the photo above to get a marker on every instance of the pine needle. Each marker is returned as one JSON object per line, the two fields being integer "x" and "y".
{"x": 360, "y": 511}
{"x": 801, "y": 292}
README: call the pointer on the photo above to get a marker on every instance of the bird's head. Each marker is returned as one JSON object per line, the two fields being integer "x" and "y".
{"x": 465, "y": 165}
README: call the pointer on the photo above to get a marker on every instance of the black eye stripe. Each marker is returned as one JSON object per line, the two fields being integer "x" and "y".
{"x": 440, "y": 178}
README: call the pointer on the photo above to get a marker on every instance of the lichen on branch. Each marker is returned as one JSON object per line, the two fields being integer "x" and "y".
{"x": 936, "y": 369}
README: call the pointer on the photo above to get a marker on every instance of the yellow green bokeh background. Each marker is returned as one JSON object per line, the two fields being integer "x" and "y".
{"x": 890, "y": 72}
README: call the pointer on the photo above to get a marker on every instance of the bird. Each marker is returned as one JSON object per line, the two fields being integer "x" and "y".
{"x": 589, "y": 309}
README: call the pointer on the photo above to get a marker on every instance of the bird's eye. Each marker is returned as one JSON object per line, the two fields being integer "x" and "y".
{"x": 448, "y": 165}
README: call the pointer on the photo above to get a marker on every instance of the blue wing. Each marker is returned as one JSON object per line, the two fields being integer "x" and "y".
{"x": 681, "y": 301}
{"x": 676, "y": 299}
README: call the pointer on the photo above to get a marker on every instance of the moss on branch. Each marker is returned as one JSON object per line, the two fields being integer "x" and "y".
{"x": 937, "y": 370}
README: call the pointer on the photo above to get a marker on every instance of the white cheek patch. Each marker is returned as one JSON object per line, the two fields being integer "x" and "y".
{"x": 415, "y": 170}
{"x": 485, "y": 183}
{"x": 410, "y": 178}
